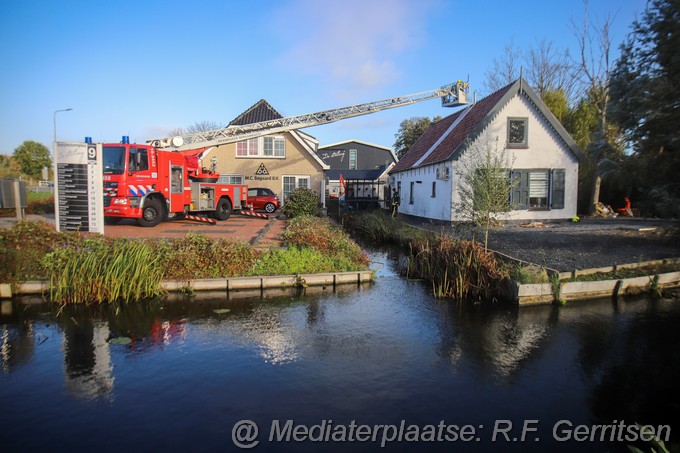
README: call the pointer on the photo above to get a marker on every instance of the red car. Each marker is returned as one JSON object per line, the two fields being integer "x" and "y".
{"x": 263, "y": 199}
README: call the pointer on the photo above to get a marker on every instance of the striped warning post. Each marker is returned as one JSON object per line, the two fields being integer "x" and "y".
{"x": 254, "y": 214}
{"x": 201, "y": 219}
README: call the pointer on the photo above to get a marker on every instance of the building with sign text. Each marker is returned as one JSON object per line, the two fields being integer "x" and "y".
{"x": 281, "y": 162}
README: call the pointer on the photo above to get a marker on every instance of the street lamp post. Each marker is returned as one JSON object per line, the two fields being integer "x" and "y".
{"x": 55, "y": 121}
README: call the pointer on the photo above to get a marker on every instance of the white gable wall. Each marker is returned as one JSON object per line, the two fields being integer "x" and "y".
{"x": 545, "y": 150}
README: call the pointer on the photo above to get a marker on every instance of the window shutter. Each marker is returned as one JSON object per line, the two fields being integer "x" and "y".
{"x": 558, "y": 189}
{"x": 520, "y": 189}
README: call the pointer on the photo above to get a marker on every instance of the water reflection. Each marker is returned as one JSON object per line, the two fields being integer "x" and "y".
{"x": 380, "y": 352}
{"x": 88, "y": 372}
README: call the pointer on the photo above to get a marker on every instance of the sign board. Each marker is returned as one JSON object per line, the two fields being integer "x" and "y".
{"x": 79, "y": 193}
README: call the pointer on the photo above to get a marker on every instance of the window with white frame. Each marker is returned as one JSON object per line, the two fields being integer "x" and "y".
{"x": 272, "y": 146}
{"x": 290, "y": 183}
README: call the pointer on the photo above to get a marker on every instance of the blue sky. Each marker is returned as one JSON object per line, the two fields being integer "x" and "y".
{"x": 141, "y": 68}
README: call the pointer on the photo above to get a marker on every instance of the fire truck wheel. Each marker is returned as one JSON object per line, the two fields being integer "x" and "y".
{"x": 270, "y": 207}
{"x": 223, "y": 211}
{"x": 152, "y": 214}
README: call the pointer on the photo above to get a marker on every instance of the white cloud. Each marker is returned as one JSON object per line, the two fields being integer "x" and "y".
{"x": 353, "y": 44}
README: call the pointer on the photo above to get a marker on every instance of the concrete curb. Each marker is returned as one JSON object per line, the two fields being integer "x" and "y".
{"x": 542, "y": 293}
{"x": 220, "y": 284}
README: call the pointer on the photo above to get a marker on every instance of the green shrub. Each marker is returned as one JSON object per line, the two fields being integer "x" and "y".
{"x": 301, "y": 202}
{"x": 198, "y": 256}
{"x": 40, "y": 205}
{"x": 23, "y": 247}
{"x": 296, "y": 260}
{"x": 325, "y": 237}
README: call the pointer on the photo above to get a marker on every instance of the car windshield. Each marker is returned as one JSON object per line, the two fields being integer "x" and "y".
{"x": 114, "y": 160}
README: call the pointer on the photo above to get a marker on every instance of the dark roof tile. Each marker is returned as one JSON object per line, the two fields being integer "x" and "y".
{"x": 474, "y": 116}
{"x": 260, "y": 111}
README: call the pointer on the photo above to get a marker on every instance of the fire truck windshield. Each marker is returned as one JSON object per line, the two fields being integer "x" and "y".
{"x": 114, "y": 160}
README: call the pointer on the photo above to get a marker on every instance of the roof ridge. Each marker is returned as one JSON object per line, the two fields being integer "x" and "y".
{"x": 259, "y": 111}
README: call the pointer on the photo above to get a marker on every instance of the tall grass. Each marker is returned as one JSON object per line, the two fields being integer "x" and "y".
{"x": 87, "y": 269}
{"x": 457, "y": 269}
{"x": 99, "y": 270}
{"x": 377, "y": 227}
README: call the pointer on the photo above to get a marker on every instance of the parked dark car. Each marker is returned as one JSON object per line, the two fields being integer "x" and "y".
{"x": 263, "y": 199}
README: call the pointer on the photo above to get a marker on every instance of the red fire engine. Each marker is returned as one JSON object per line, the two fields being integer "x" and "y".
{"x": 152, "y": 185}
{"x": 167, "y": 179}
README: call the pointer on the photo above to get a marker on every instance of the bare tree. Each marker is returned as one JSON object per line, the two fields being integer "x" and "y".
{"x": 595, "y": 70}
{"x": 549, "y": 69}
{"x": 545, "y": 67}
{"x": 504, "y": 69}
{"x": 485, "y": 187}
{"x": 198, "y": 126}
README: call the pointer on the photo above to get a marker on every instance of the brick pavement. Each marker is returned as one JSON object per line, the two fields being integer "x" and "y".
{"x": 263, "y": 233}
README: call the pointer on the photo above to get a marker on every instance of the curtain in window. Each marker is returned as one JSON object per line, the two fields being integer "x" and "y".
{"x": 538, "y": 184}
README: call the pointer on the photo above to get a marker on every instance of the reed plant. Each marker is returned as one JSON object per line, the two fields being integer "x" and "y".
{"x": 100, "y": 270}
{"x": 458, "y": 269}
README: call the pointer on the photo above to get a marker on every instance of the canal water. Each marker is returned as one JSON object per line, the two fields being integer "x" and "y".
{"x": 317, "y": 365}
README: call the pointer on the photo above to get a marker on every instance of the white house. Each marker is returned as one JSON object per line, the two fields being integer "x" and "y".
{"x": 540, "y": 154}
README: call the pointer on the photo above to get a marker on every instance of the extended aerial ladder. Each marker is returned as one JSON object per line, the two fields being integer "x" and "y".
{"x": 453, "y": 95}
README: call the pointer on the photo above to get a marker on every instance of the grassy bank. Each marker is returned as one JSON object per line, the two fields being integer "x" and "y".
{"x": 457, "y": 269}
{"x": 91, "y": 268}
{"x": 36, "y": 203}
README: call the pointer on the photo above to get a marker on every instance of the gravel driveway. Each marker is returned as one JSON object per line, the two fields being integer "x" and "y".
{"x": 590, "y": 243}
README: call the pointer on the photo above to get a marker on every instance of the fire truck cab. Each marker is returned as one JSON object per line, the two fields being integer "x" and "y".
{"x": 152, "y": 185}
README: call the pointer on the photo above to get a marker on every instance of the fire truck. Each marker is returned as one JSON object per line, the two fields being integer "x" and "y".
{"x": 167, "y": 179}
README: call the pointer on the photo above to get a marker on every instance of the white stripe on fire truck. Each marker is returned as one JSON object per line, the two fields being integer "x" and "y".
{"x": 138, "y": 191}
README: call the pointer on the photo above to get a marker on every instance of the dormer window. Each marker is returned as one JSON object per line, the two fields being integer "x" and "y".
{"x": 518, "y": 133}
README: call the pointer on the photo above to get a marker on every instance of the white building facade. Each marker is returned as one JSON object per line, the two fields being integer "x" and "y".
{"x": 514, "y": 124}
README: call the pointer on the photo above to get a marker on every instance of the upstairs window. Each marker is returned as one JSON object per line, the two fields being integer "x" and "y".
{"x": 352, "y": 159}
{"x": 262, "y": 147}
{"x": 518, "y": 136}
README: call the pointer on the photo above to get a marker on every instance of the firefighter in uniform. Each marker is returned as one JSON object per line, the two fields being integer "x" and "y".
{"x": 395, "y": 202}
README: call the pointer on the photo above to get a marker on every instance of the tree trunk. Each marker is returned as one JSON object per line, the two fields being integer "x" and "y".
{"x": 595, "y": 194}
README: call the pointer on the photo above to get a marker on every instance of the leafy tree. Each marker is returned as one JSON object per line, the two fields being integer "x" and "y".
{"x": 32, "y": 157}
{"x": 485, "y": 187}
{"x": 8, "y": 167}
{"x": 556, "y": 101}
{"x": 409, "y": 132}
{"x": 646, "y": 104}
